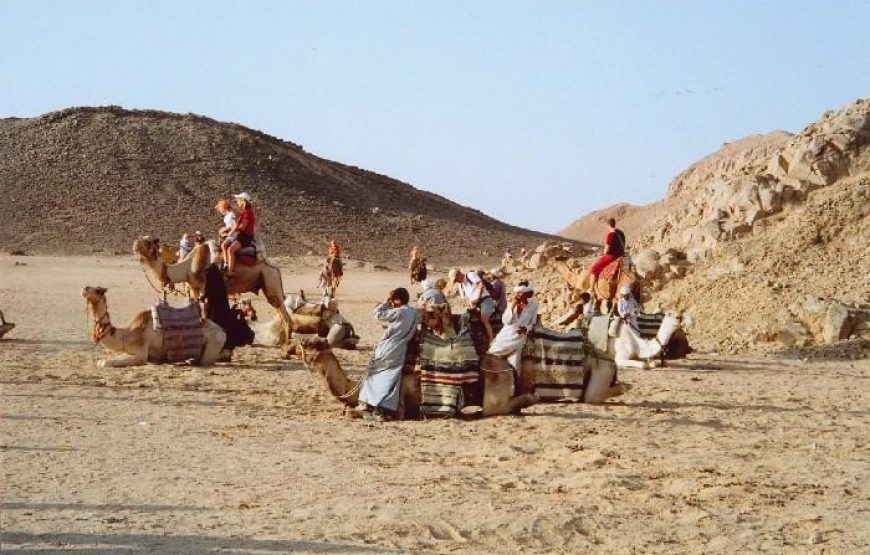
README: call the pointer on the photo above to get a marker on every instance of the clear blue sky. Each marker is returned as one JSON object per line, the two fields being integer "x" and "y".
{"x": 535, "y": 112}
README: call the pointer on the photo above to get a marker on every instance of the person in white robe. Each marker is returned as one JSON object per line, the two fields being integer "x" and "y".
{"x": 521, "y": 315}
{"x": 381, "y": 385}
{"x": 627, "y": 307}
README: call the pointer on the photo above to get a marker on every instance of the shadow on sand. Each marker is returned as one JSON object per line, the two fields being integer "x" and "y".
{"x": 92, "y": 544}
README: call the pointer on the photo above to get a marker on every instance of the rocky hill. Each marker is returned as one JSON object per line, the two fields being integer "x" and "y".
{"x": 764, "y": 246}
{"x": 86, "y": 180}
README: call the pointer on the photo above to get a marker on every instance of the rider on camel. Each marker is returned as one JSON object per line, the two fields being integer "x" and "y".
{"x": 614, "y": 247}
{"x": 245, "y": 223}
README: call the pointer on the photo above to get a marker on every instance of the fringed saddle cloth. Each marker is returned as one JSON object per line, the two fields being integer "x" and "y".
{"x": 553, "y": 364}
{"x": 611, "y": 270}
{"x": 183, "y": 338}
{"x": 447, "y": 369}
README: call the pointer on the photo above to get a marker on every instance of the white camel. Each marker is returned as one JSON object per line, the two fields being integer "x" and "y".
{"x": 629, "y": 350}
{"x": 140, "y": 341}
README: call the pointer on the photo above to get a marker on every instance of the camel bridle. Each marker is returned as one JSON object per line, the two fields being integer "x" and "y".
{"x": 102, "y": 326}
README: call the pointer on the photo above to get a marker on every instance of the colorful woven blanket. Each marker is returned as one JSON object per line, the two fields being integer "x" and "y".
{"x": 553, "y": 363}
{"x": 609, "y": 272}
{"x": 182, "y": 330}
{"x": 447, "y": 370}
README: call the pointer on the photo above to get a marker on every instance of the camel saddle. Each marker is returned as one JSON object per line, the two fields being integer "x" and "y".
{"x": 183, "y": 337}
{"x": 611, "y": 271}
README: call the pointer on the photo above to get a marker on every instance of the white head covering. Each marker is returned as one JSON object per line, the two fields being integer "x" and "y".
{"x": 427, "y": 284}
{"x": 244, "y": 196}
{"x": 523, "y": 289}
{"x": 625, "y": 290}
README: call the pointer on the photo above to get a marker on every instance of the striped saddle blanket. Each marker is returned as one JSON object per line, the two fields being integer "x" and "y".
{"x": 649, "y": 324}
{"x": 553, "y": 364}
{"x": 447, "y": 371}
{"x": 182, "y": 330}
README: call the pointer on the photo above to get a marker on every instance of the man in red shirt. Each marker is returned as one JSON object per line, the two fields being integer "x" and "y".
{"x": 245, "y": 223}
{"x": 614, "y": 247}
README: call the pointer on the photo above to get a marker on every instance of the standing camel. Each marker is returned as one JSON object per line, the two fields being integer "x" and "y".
{"x": 191, "y": 270}
{"x": 140, "y": 341}
{"x": 605, "y": 290}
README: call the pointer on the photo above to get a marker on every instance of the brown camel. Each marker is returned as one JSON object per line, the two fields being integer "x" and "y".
{"x": 191, "y": 270}
{"x": 139, "y": 340}
{"x": 605, "y": 290}
{"x": 322, "y": 318}
{"x": 498, "y": 385}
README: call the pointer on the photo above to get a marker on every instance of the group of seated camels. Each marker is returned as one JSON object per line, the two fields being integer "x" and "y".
{"x": 504, "y": 391}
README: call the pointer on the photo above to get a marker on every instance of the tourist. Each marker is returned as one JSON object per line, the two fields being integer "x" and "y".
{"x": 417, "y": 266}
{"x": 324, "y": 281}
{"x": 518, "y": 319}
{"x": 245, "y": 224}
{"x": 498, "y": 290}
{"x": 184, "y": 246}
{"x": 382, "y": 383}
{"x": 614, "y": 247}
{"x": 474, "y": 293}
{"x": 228, "y": 232}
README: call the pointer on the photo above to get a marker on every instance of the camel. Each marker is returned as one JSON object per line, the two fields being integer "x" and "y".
{"x": 310, "y": 318}
{"x": 629, "y": 350}
{"x": 498, "y": 385}
{"x": 191, "y": 270}
{"x": 336, "y": 271}
{"x": 601, "y": 372}
{"x": 139, "y": 340}
{"x": 604, "y": 289}
{"x": 598, "y": 389}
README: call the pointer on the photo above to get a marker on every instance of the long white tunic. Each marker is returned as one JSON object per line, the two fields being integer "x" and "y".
{"x": 381, "y": 385}
{"x": 628, "y": 310}
{"x": 509, "y": 342}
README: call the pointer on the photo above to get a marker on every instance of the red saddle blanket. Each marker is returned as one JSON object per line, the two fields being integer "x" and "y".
{"x": 609, "y": 272}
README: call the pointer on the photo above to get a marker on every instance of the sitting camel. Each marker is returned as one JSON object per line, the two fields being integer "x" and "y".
{"x": 322, "y": 318}
{"x": 498, "y": 386}
{"x": 600, "y": 375}
{"x": 628, "y": 349}
{"x": 140, "y": 341}
{"x": 191, "y": 270}
{"x": 605, "y": 289}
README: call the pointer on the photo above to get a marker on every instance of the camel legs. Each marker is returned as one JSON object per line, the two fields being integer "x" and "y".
{"x": 135, "y": 359}
{"x": 215, "y": 337}
{"x": 286, "y": 323}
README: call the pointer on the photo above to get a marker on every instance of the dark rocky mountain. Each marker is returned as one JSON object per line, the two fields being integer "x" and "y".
{"x": 85, "y": 180}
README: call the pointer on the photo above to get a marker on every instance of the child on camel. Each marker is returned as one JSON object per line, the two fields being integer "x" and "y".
{"x": 228, "y": 232}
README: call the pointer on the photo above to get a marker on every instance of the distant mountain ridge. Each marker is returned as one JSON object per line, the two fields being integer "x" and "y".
{"x": 81, "y": 180}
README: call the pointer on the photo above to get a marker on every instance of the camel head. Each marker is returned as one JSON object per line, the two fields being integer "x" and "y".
{"x": 307, "y": 349}
{"x": 147, "y": 248}
{"x": 95, "y": 298}
{"x": 94, "y": 295}
{"x": 670, "y": 324}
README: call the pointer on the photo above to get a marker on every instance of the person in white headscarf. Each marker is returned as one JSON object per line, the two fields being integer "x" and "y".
{"x": 519, "y": 318}
{"x": 627, "y": 307}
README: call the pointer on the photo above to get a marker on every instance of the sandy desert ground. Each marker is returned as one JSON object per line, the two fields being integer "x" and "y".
{"x": 710, "y": 455}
